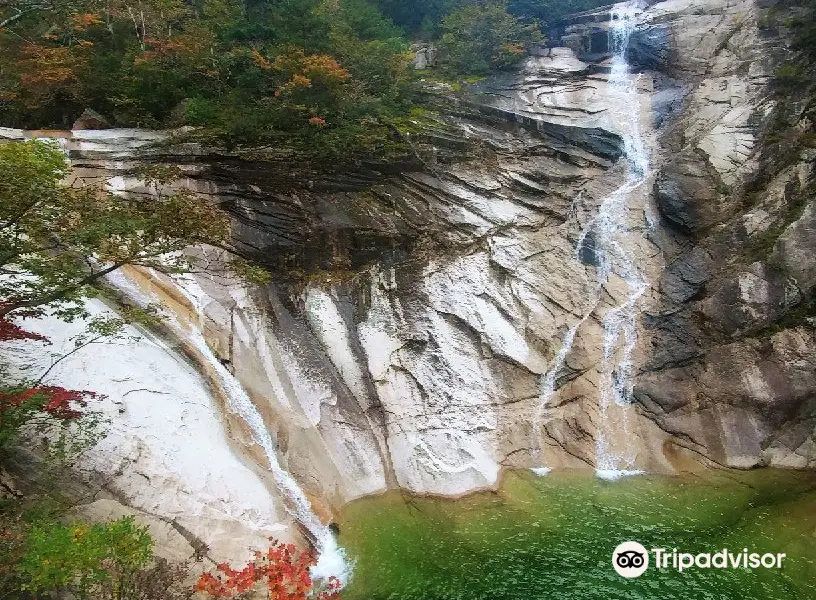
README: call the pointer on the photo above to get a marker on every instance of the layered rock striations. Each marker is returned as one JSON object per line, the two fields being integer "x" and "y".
{"x": 414, "y": 331}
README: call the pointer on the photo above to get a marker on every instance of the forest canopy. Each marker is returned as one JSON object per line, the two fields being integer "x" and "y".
{"x": 327, "y": 74}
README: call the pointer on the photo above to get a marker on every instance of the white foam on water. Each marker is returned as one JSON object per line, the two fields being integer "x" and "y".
{"x": 541, "y": 471}
{"x": 615, "y": 474}
{"x": 620, "y": 323}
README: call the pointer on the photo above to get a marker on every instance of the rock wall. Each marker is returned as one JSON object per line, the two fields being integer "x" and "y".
{"x": 732, "y": 355}
{"x": 417, "y": 316}
{"x": 199, "y": 499}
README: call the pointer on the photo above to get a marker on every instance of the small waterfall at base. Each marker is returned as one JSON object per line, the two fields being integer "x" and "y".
{"x": 331, "y": 561}
{"x": 613, "y": 259}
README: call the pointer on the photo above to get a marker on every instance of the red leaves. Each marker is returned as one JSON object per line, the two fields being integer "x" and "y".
{"x": 62, "y": 404}
{"x": 9, "y": 331}
{"x": 282, "y": 570}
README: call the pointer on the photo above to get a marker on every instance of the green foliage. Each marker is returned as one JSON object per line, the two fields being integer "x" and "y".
{"x": 420, "y": 17}
{"x": 790, "y": 74}
{"x": 215, "y": 64}
{"x": 479, "y": 38}
{"x": 209, "y": 63}
{"x": 56, "y": 241}
{"x": 42, "y": 557}
{"x": 423, "y": 17}
{"x": 550, "y": 11}
{"x": 96, "y": 561}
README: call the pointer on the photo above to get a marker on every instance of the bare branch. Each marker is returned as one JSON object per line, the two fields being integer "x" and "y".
{"x": 64, "y": 356}
{"x": 21, "y": 13}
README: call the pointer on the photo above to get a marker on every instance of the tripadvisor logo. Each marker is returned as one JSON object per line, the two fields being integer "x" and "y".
{"x": 631, "y": 560}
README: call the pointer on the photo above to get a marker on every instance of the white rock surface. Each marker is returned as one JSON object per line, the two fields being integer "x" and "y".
{"x": 166, "y": 452}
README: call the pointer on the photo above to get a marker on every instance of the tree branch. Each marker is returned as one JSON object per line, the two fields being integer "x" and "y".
{"x": 64, "y": 356}
{"x": 20, "y": 14}
{"x": 60, "y": 293}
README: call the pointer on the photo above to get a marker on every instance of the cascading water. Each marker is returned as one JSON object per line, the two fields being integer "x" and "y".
{"x": 331, "y": 560}
{"x": 609, "y": 230}
{"x": 620, "y": 323}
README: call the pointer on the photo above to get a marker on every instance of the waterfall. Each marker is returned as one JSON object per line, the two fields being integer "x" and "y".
{"x": 331, "y": 559}
{"x": 608, "y": 229}
{"x": 620, "y": 324}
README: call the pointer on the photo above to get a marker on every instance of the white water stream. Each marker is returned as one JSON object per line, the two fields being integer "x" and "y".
{"x": 609, "y": 230}
{"x": 331, "y": 558}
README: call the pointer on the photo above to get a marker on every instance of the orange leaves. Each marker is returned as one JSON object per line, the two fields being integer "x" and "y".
{"x": 313, "y": 66}
{"x": 157, "y": 50}
{"x": 303, "y": 71}
{"x": 306, "y": 83}
{"x": 298, "y": 82}
{"x": 282, "y": 571}
{"x": 260, "y": 60}
{"x": 81, "y": 22}
{"x": 46, "y": 71}
{"x": 513, "y": 48}
{"x": 185, "y": 49}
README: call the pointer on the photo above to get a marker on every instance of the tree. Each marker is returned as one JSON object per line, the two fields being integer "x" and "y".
{"x": 282, "y": 572}
{"x": 104, "y": 561}
{"x": 15, "y": 10}
{"x": 159, "y": 63}
{"x": 418, "y": 17}
{"x": 56, "y": 241}
{"x": 97, "y": 561}
{"x": 550, "y": 11}
{"x": 482, "y": 37}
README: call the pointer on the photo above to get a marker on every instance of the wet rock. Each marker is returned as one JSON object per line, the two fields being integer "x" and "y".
{"x": 417, "y": 308}
{"x": 674, "y": 340}
{"x": 649, "y": 47}
{"x": 749, "y": 300}
{"x": 685, "y": 277}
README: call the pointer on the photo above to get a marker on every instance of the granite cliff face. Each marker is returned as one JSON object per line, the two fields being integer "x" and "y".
{"x": 589, "y": 265}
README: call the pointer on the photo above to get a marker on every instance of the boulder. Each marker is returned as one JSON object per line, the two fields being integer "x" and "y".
{"x": 425, "y": 56}
{"x": 686, "y": 195}
{"x": 90, "y": 119}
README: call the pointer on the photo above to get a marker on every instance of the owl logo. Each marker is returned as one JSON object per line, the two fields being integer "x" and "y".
{"x": 630, "y": 560}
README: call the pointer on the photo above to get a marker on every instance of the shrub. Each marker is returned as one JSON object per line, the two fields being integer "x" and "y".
{"x": 479, "y": 38}
{"x": 89, "y": 561}
{"x": 282, "y": 572}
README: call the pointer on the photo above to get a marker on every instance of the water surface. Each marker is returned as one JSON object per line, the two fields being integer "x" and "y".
{"x": 552, "y": 537}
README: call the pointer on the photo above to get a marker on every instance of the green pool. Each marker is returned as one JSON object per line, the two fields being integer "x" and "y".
{"x": 552, "y": 537}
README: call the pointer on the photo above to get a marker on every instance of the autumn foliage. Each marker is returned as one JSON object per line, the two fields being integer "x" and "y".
{"x": 55, "y": 401}
{"x": 246, "y": 73}
{"x": 282, "y": 573}
{"x": 11, "y": 331}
